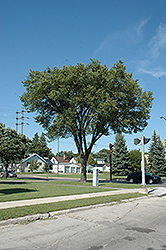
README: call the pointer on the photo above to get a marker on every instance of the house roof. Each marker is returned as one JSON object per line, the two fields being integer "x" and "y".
{"x": 99, "y": 159}
{"x": 62, "y": 159}
{"x": 33, "y": 155}
{"x": 102, "y": 165}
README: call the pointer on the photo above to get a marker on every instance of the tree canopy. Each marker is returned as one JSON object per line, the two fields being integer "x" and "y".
{"x": 86, "y": 101}
{"x": 38, "y": 145}
{"x": 13, "y": 146}
{"x": 156, "y": 156}
{"x": 68, "y": 154}
{"x": 103, "y": 153}
{"x": 120, "y": 156}
{"x": 135, "y": 159}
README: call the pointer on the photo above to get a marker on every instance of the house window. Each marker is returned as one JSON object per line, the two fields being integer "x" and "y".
{"x": 66, "y": 169}
{"x": 72, "y": 169}
{"x": 78, "y": 170}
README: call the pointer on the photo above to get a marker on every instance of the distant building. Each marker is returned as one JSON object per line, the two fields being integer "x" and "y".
{"x": 64, "y": 166}
{"x": 100, "y": 160}
{"x": 101, "y": 165}
{"x": 31, "y": 158}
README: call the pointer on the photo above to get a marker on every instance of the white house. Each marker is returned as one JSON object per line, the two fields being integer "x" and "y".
{"x": 100, "y": 160}
{"x": 73, "y": 160}
{"x": 64, "y": 166}
{"x": 101, "y": 165}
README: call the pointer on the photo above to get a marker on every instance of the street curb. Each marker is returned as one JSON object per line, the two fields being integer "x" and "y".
{"x": 55, "y": 214}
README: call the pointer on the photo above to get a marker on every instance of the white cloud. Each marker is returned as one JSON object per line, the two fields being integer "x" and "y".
{"x": 121, "y": 39}
{"x": 102, "y": 45}
{"x": 154, "y": 56}
{"x": 158, "y": 42}
{"x": 156, "y": 72}
{"x": 139, "y": 28}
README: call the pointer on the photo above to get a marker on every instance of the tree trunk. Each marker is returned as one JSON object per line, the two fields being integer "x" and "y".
{"x": 6, "y": 171}
{"x": 83, "y": 168}
{"x": 83, "y": 174}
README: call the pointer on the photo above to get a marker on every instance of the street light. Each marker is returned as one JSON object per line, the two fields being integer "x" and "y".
{"x": 162, "y": 117}
{"x": 143, "y": 140}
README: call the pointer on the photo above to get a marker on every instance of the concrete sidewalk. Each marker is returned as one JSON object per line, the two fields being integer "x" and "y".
{"x": 158, "y": 191}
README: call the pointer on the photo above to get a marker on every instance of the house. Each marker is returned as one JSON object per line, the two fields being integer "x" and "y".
{"x": 100, "y": 160}
{"x": 73, "y": 160}
{"x": 89, "y": 168}
{"x": 101, "y": 165}
{"x": 64, "y": 165}
{"x": 41, "y": 161}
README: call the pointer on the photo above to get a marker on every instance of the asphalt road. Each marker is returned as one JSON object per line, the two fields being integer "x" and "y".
{"x": 35, "y": 177}
{"x": 138, "y": 224}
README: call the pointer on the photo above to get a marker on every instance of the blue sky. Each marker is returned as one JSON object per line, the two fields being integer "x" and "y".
{"x": 35, "y": 34}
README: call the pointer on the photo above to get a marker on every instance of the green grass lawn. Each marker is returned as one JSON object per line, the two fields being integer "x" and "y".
{"x": 56, "y": 206}
{"x": 21, "y": 189}
{"x": 11, "y": 191}
{"x": 14, "y": 189}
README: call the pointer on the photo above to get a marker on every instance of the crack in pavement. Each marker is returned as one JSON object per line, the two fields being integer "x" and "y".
{"x": 126, "y": 213}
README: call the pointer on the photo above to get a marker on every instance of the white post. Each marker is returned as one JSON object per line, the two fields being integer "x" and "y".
{"x": 143, "y": 184}
{"x": 143, "y": 165}
{"x": 95, "y": 177}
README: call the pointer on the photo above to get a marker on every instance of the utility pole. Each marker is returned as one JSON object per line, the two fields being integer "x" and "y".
{"x": 17, "y": 120}
{"x": 110, "y": 158}
{"x": 22, "y": 120}
{"x": 58, "y": 158}
{"x": 22, "y": 124}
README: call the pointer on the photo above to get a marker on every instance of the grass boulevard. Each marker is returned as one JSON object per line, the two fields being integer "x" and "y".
{"x": 24, "y": 189}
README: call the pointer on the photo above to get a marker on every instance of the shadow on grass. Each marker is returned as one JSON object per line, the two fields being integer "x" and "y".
{"x": 16, "y": 190}
{"x": 12, "y": 182}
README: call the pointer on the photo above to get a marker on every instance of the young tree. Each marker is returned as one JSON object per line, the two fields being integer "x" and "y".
{"x": 39, "y": 146}
{"x": 135, "y": 160}
{"x": 34, "y": 165}
{"x": 120, "y": 157}
{"x": 46, "y": 167}
{"x": 91, "y": 160}
{"x": 86, "y": 101}
{"x": 13, "y": 146}
{"x": 156, "y": 156}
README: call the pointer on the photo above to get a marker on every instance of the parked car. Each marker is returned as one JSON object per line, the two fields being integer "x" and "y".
{"x": 12, "y": 174}
{"x": 1, "y": 174}
{"x": 137, "y": 177}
